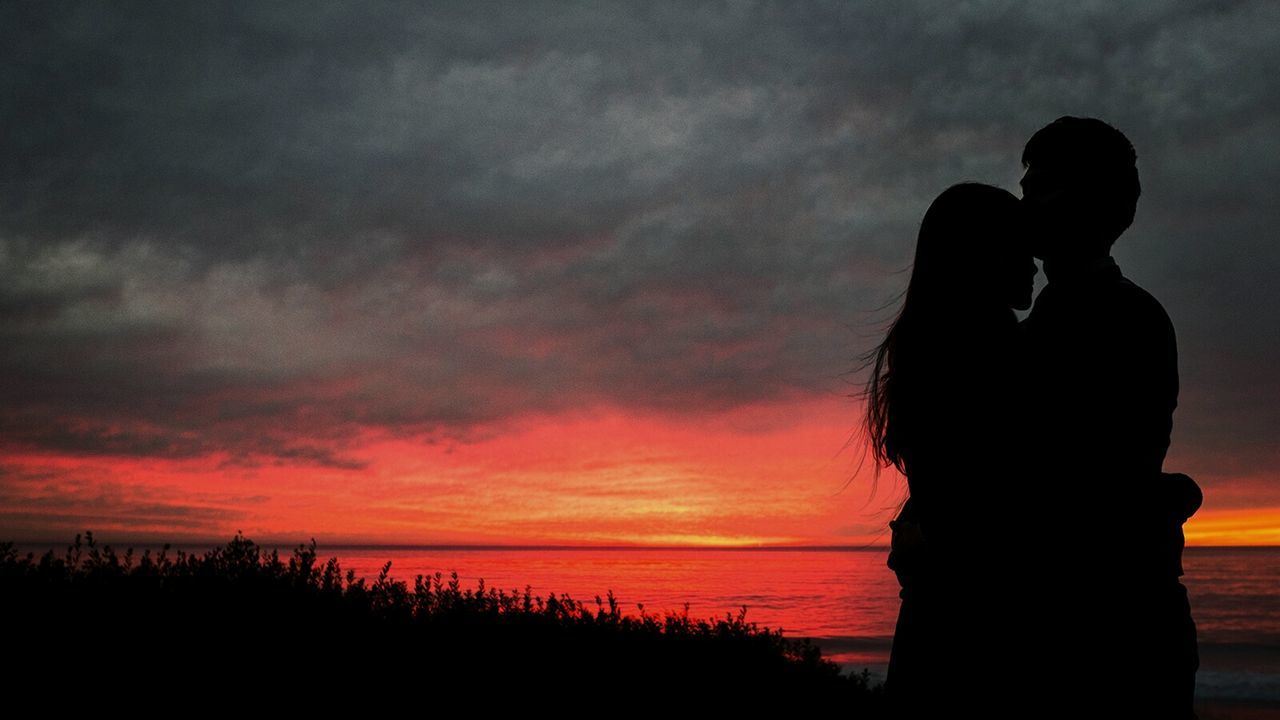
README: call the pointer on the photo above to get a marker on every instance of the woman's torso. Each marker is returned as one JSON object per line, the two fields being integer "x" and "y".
{"x": 966, "y": 418}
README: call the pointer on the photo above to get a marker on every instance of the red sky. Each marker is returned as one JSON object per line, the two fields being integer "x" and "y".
{"x": 776, "y": 473}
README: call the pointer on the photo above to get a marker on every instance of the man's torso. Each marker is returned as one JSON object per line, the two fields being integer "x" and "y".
{"x": 1104, "y": 367}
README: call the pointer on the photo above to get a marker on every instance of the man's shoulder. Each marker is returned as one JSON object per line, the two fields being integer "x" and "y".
{"x": 1136, "y": 302}
{"x": 1102, "y": 301}
{"x": 1111, "y": 309}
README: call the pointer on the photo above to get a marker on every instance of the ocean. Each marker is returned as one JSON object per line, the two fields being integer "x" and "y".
{"x": 846, "y": 601}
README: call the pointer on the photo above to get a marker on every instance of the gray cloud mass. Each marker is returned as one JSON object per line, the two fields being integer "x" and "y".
{"x": 260, "y": 227}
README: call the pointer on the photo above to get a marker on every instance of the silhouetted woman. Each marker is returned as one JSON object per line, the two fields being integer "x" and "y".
{"x": 943, "y": 408}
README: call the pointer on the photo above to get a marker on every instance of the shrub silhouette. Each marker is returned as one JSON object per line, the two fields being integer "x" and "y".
{"x": 238, "y": 606}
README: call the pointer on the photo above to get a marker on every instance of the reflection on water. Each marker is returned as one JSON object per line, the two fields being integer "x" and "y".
{"x": 841, "y": 595}
{"x": 846, "y": 599}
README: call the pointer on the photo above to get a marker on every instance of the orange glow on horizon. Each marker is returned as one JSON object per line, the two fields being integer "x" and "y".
{"x": 773, "y": 474}
{"x": 768, "y": 475}
{"x": 1251, "y": 526}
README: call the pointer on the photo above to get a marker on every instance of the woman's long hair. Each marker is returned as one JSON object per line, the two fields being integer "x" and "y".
{"x": 956, "y": 251}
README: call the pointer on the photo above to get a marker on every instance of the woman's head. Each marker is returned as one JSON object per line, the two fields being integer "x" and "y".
{"x": 970, "y": 251}
{"x": 972, "y": 266}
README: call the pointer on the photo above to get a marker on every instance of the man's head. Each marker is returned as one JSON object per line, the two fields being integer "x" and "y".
{"x": 1080, "y": 188}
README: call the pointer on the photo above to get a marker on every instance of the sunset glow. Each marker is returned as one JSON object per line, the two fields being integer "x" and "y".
{"x": 1255, "y": 526}
{"x": 773, "y": 474}
{"x": 768, "y": 475}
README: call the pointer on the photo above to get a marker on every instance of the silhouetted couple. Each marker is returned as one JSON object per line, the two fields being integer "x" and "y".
{"x": 1040, "y": 549}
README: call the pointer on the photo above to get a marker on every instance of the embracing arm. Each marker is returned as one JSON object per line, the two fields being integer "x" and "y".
{"x": 1145, "y": 386}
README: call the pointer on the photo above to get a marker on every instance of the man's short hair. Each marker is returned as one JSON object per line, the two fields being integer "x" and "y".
{"x": 1095, "y": 158}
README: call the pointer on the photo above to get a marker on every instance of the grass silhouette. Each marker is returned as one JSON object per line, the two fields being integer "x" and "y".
{"x": 203, "y": 616}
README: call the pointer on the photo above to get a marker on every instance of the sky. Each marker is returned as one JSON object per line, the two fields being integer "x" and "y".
{"x": 580, "y": 273}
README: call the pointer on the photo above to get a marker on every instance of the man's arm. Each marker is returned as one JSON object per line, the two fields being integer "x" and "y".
{"x": 1146, "y": 383}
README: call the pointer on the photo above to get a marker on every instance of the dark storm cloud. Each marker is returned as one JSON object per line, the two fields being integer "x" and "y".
{"x": 263, "y": 227}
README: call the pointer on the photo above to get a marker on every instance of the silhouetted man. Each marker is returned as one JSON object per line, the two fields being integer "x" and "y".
{"x": 1107, "y": 540}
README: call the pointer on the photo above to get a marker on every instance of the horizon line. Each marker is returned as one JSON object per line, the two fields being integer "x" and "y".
{"x": 513, "y": 546}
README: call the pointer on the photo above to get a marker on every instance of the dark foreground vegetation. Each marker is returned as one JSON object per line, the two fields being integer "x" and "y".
{"x": 241, "y": 625}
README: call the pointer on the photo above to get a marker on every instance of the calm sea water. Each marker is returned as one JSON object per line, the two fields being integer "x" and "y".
{"x": 845, "y": 600}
